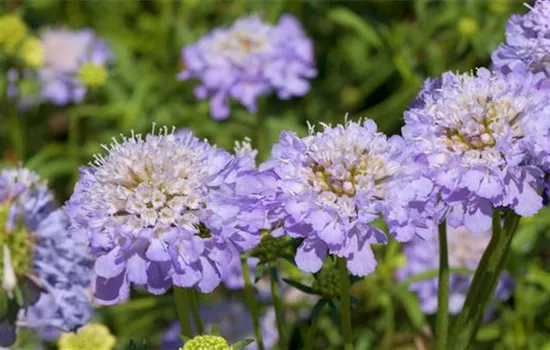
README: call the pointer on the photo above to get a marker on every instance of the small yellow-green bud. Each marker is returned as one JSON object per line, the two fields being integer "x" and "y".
{"x": 93, "y": 336}
{"x": 32, "y": 52}
{"x": 206, "y": 342}
{"x": 12, "y": 32}
{"x": 92, "y": 74}
{"x": 468, "y": 26}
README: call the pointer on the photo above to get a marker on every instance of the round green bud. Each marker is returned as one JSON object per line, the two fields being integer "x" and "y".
{"x": 92, "y": 75}
{"x": 270, "y": 248}
{"x": 327, "y": 283}
{"x": 17, "y": 240}
{"x": 32, "y": 52}
{"x": 12, "y": 32}
{"x": 468, "y": 26}
{"x": 92, "y": 336}
{"x": 206, "y": 342}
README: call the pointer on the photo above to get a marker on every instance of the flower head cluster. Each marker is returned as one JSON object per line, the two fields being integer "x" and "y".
{"x": 465, "y": 251}
{"x": 472, "y": 133}
{"x": 165, "y": 209}
{"x": 40, "y": 256}
{"x": 337, "y": 182}
{"x": 92, "y": 336}
{"x": 250, "y": 59}
{"x": 73, "y": 60}
{"x": 527, "y": 44}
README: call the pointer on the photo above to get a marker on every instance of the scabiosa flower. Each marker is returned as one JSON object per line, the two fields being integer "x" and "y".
{"x": 527, "y": 44}
{"x": 465, "y": 251}
{"x": 73, "y": 60}
{"x": 471, "y": 133}
{"x": 41, "y": 257}
{"x": 336, "y": 182}
{"x": 250, "y": 59}
{"x": 165, "y": 209}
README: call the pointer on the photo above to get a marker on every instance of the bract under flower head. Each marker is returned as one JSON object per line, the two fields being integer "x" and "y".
{"x": 471, "y": 133}
{"x": 527, "y": 44}
{"x": 465, "y": 250}
{"x": 65, "y": 53}
{"x": 336, "y": 182}
{"x": 250, "y": 59}
{"x": 165, "y": 209}
{"x": 50, "y": 264}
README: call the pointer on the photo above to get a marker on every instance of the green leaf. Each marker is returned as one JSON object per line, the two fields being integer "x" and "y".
{"x": 299, "y": 286}
{"x": 317, "y": 308}
{"x": 411, "y": 306}
{"x": 348, "y": 18}
{"x": 242, "y": 344}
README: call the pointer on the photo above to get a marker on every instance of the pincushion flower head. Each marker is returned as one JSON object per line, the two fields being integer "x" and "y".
{"x": 74, "y": 60}
{"x": 40, "y": 258}
{"x": 527, "y": 44}
{"x": 165, "y": 210}
{"x": 465, "y": 250}
{"x": 471, "y": 132}
{"x": 250, "y": 59}
{"x": 336, "y": 182}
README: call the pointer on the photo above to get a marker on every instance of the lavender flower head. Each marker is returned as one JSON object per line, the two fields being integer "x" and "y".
{"x": 527, "y": 44}
{"x": 165, "y": 209}
{"x": 249, "y": 59}
{"x": 472, "y": 133}
{"x": 73, "y": 61}
{"x": 40, "y": 256}
{"x": 465, "y": 251}
{"x": 336, "y": 182}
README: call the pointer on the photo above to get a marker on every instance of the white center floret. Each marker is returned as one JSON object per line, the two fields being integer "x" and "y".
{"x": 152, "y": 182}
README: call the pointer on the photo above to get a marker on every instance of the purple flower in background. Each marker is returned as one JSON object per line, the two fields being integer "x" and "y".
{"x": 472, "y": 134}
{"x": 465, "y": 251}
{"x": 336, "y": 182}
{"x": 249, "y": 59}
{"x": 527, "y": 44}
{"x": 234, "y": 323}
{"x": 71, "y": 56}
{"x": 42, "y": 257}
{"x": 165, "y": 209}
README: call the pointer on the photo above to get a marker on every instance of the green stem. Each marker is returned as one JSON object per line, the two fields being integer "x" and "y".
{"x": 311, "y": 332}
{"x": 278, "y": 307}
{"x": 182, "y": 308}
{"x": 442, "y": 330}
{"x": 485, "y": 280}
{"x": 74, "y": 131}
{"x": 195, "y": 310}
{"x": 345, "y": 313}
{"x": 16, "y": 131}
{"x": 252, "y": 306}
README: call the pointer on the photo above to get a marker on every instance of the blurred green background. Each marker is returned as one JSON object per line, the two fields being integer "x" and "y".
{"x": 372, "y": 57}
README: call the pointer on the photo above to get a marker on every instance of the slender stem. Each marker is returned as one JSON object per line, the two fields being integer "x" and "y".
{"x": 312, "y": 330}
{"x": 195, "y": 310}
{"x": 485, "y": 280}
{"x": 442, "y": 330}
{"x": 345, "y": 313}
{"x": 74, "y": 131}
{"x": 16, "y": 130}
{"x": 182, "y": 308}
{"x": 278, "y": 307}
{"x": 252, "y": 306}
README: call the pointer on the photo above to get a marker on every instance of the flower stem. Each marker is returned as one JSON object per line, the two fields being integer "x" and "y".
{"x": 277, "y": 304}
{"x": 485, "y": 280}
{"x": 182, "y": 308}
{"x": 443, "y": 290}
{"x": 312, "y": 330}
{"x": 252, "y": 306}
{"x": 193, "y": 301}
{"x": 17, "y": 132}
{"x": 345, "y": 313}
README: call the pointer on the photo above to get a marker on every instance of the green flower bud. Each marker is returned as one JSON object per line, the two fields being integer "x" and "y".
{"x": 92, "y": 75}
{"x": 15, "y": 245}
{"x": 327, "y": 282}
{"x": 270, "y": 248}
{"x": 468, "y": 26}
{"x": 32, "y": 52}
{"x": 92, "y": 336}
{"x": 206, "y": 342}
{"x": 12, "y": 32}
